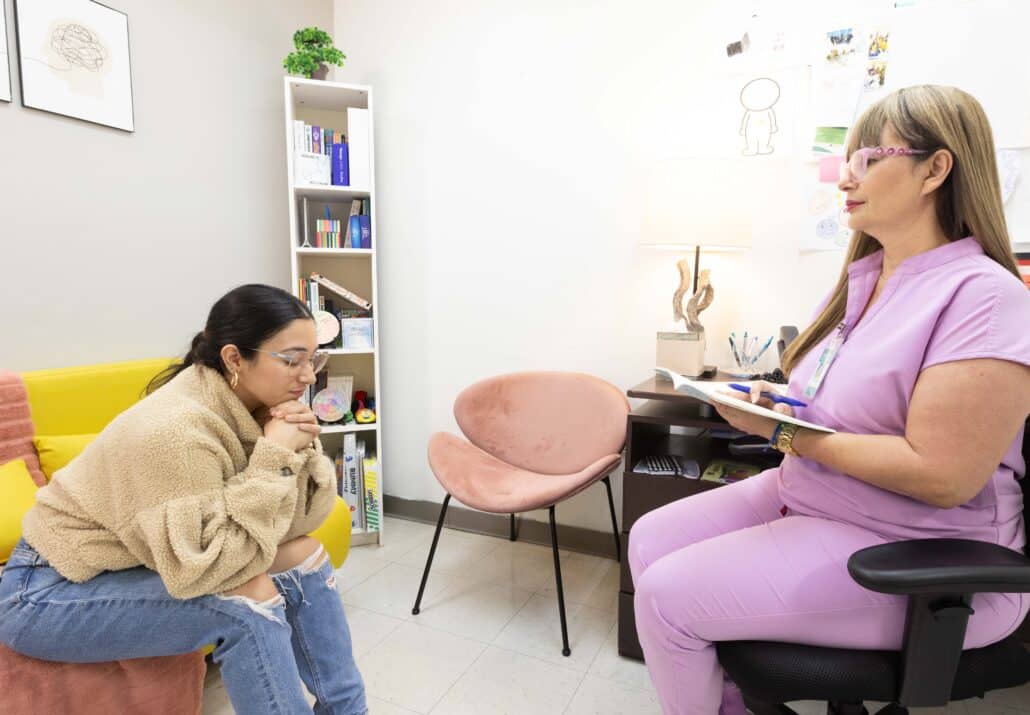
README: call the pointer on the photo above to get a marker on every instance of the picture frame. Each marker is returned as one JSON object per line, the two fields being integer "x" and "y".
{"x": 74, "y": 60}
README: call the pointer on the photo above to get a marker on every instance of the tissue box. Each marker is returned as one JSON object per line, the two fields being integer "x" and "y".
{"x": 357, "y": 333}
{"x": 311, "y": 168}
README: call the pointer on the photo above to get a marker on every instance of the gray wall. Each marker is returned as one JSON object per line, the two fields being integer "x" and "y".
{"x": 113, "y": 246}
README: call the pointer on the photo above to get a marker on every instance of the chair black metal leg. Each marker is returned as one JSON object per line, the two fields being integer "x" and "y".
{"x": 513, "y": 533}
{"x": 615, "y": 524}
{"x": 566, "y": 651}
{"x": 432, "y": 552}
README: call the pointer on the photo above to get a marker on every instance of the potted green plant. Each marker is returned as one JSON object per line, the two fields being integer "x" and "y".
{"x": 315, "y": 52}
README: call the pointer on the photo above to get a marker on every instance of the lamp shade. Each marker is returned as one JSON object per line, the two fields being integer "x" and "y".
{"x": 700, "y": 201}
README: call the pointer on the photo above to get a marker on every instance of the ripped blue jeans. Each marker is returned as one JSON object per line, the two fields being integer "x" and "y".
{"x": 265, "y": 650}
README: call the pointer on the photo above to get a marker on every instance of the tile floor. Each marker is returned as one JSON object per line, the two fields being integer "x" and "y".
{"x": 488, "y": 640}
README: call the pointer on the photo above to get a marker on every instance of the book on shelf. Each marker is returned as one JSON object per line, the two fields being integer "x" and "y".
{"x": 359, "y": 151}
{"x": 370, "y": 480}
{"x": 320, "y": 155}
{"x": 353, "y": 232}
{"x": 341, "y": 291}
{"x": 365, "y": 222}
{"x": 340, "y": 164}
{"x": 352, "y": 490}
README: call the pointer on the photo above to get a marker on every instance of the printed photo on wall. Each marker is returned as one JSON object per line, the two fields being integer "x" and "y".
{"x": 74, "y": 60}
{"x": 5, "y": 71}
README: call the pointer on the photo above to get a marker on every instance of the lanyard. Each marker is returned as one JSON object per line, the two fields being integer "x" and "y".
{"x": 826, "y": 359}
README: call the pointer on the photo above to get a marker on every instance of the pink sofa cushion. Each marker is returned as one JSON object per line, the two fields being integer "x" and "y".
{"x": 16, "y": 430}
{"x": 546, "y": 422}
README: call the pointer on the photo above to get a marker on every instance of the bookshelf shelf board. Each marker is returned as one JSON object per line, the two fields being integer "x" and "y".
{"x": 325, "y": 192}
{"x": 340, "y": 429}
{"x": 338, "y": 252}
{"x": 331, "y": 96}
{"x": 346, "y": 351}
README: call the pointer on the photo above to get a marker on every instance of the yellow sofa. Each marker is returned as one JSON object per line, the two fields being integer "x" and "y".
{"x": 69, "y": 404}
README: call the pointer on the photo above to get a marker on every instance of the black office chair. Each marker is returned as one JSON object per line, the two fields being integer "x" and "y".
{"x": 939, "y": 576}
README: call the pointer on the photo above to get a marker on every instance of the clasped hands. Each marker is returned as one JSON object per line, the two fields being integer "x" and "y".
{"x": 290, "y": 424}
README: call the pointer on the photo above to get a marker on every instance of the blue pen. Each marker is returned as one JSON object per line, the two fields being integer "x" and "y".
{"x": 769, "y": 395}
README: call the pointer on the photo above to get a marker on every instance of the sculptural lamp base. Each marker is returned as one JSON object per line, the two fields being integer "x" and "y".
{"x": 681, "y": 352}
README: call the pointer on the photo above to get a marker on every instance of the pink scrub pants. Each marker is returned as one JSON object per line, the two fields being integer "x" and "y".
{"x": 728, "y": 564}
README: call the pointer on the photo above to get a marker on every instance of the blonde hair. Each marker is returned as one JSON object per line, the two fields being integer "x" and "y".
{"x": 968, "y": 203}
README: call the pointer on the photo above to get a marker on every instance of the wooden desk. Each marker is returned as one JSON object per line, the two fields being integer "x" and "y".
{"x": 668, "y": 423}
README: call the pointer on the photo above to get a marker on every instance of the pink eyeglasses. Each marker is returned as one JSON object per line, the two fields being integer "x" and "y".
{"x": 858, "y": 164}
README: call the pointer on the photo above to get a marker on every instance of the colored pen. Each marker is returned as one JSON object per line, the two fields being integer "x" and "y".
{"x": 769, "y": 395}
{"x": 733, "y": 348}
{"x": 764, "y": 348}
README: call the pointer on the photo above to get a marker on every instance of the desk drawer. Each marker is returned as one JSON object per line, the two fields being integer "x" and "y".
{"x": 642, "y": 493}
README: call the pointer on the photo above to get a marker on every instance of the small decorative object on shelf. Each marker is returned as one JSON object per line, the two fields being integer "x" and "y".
{"x": 685, "y": 351}
{"x": 314, "y": 54}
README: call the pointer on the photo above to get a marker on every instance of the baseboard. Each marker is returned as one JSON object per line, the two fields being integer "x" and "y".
{"x": 572, "y": 538}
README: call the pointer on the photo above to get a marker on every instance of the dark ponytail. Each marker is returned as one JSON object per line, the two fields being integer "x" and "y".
{"x": 245, "y": 317}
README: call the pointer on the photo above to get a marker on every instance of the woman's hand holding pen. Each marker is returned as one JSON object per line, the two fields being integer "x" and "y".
{"x": 751, "y": 423}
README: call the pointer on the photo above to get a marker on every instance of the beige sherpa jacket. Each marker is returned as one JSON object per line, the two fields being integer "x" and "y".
{"x": 184, "y": 483}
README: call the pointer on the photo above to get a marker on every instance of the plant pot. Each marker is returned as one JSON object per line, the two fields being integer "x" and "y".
{"x": 321, "y": 72}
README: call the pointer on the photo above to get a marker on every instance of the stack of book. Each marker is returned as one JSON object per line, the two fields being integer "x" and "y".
{"x": 314, "y": 139}
{"x": 343, "y": 162}
{"x": 357, "y": 479}
{"x": 359, "y": 225}
{"x": 328, "y": 233}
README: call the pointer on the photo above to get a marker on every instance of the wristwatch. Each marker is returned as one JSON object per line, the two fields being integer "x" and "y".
{"x": 783, "y": 438}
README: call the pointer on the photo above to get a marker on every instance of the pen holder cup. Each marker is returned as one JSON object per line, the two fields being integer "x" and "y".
{"x": 746, "y": 355}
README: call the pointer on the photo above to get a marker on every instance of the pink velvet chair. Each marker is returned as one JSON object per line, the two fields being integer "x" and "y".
{"x": 534, "y": 439}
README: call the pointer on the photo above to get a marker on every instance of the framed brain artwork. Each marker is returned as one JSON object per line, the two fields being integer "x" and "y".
{"x": 74, "y": 60}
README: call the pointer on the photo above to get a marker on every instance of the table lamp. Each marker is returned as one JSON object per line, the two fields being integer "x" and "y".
{"x": 690, "y": 205}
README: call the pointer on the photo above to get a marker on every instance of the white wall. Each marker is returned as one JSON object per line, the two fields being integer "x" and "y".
{"x": 512, "y": 141}
{"x": 113, "y": 246}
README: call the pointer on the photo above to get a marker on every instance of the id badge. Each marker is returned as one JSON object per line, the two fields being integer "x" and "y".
{"x": 826, "y": 359}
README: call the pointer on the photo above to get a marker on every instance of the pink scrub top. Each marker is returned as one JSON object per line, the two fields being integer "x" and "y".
{"x": 950, "y": 303}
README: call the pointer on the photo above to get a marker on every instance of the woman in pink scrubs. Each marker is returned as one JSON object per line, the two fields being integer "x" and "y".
{"x": 920, "y": 360}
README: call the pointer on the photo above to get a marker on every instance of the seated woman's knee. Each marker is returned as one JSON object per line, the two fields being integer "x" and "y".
{"x": 640, "y": 534}
{"x": 260, "y": 588}
{"x": 293, "y": 553}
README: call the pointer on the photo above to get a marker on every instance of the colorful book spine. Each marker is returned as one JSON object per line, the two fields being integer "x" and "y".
{"x": 352, "y": 487}
{"x": 365, "y": 222}
{"x": 316, "y": 140}
{"x": 371, "y": 493}
{"x": 340, "y": 165}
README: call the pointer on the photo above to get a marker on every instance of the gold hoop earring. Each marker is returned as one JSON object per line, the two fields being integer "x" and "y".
{"x": 235, "y": 380}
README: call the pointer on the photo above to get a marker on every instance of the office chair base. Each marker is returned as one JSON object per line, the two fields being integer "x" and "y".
{"x": 846, "y": 709}
{"x": 892, "y": 709}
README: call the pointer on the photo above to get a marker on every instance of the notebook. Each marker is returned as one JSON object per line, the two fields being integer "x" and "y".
{"x": 710, "y": 391}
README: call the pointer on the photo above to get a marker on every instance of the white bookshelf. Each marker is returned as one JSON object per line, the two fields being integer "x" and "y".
{"x": 325, "y": 104}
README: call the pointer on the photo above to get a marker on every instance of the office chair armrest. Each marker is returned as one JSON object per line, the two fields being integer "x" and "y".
{"x": 940, "y": 577}
{"x": 931, "y": 566}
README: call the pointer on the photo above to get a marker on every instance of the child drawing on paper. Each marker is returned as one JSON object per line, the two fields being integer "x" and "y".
{"x": 759, "y": 121}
